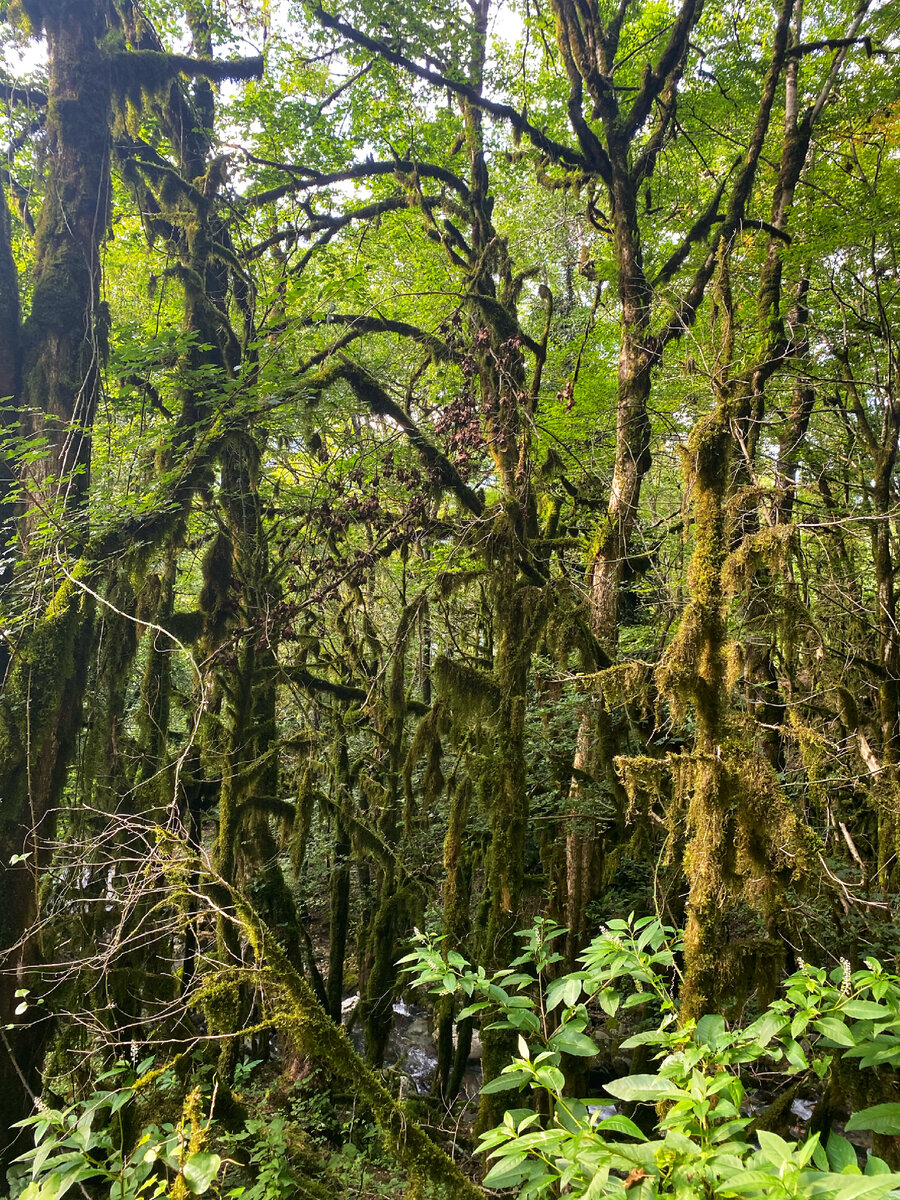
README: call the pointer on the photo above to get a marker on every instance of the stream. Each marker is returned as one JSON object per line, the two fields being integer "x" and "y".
{"x": 412, "y": 1050}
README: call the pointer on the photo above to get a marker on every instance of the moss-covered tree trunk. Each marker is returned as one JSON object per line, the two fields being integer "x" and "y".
{"x": 64, "y": 335}
{"x": 10, "y": 388}
{"x": 702, "y": 636}
{"x": 53, "y": 371}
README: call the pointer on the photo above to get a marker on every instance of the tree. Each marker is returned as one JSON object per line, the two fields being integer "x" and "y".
{"x": 345, "y": 532}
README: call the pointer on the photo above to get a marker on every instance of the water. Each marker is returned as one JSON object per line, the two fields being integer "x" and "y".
{"x": 411, "y": 1048}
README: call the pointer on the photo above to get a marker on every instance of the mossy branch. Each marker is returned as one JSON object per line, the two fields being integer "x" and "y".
{"x": 12, "y": 93}
{"x": 296, "y": 1011}
{"x": 555, "y": 151}
{"x": 341, "y": 691}
{"x": 151, "y": 70}
{"x": 472, "y": 691}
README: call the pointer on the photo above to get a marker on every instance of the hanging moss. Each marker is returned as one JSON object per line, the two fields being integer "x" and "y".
{"x": 815, "y": 755}
{"x": 217, "y": 599}
{"x": 309, "y": 799}
{"x": 770, "y": 547}
{"x": 470, "y": 691}
{"x": 624, "y": 685}
{"x": 426, "y": 743}
{"x": 406, "y": 627}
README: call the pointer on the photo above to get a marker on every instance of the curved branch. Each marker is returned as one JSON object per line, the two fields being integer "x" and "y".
{"x": 555, "y": 151}
{"x": 361, "y": 325}
{"x": 380, "y": 404}
{"x": 307, "y": 177}
{"x": 655, "y": 79}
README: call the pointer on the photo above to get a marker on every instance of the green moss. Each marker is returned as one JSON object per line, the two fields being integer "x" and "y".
{"x": 471, "y": 691}
{"x": 625, "y": 684}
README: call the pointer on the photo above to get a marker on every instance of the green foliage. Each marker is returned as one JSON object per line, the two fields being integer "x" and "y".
{"x": 266, "y": 1148}
{"x": 703, "y": 1144}
{"x": 90, "y": 1142}
{"x": 359, "y": 387}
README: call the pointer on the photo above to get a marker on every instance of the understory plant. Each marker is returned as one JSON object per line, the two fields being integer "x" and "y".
{"x": 703, "y": 1143}
{"x": 88, "y": 1146}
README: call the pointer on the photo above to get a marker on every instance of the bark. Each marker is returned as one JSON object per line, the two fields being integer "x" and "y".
{"x": 61, "y": 350}
{"x": 40, "y": 712}
{"x": 10, "y": 388}
{"x": 64, "y": 336}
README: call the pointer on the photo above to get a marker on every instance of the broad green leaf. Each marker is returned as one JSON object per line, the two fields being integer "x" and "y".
{"x": 619, "y": 1124}
{"x": 866, "y": 1010}
{"x": 709, "y": 1029}
{"x": 867, "y": 1187}
{"x": 769, "y": 1024}
{"x": 471, "y": 1009}
{"x": 506, "y": 1172}
{"x": 570, "y": 1042}
{"x": 841, "y": 1155}
{"x": 880, "y": 1118}
{"x": 834, "y": 1030}
{"x": 200, "y": 1170}
{"x": 552, "y": 1078}
{"x": 572, "y": 992}
{"x": 506, "y": 1082}
{"x": 644, "y": 1089}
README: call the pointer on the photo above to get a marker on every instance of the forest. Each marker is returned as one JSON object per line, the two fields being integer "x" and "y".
{"x": 449, "y": 553}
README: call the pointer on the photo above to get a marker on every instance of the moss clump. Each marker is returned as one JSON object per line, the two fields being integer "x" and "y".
{"x": 770, "y": 547}
{"x": 472, "y": 692}
{"x": 624, "y": 685}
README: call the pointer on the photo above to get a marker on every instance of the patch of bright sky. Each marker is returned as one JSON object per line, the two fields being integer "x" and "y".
{"x": 22, "y": 57}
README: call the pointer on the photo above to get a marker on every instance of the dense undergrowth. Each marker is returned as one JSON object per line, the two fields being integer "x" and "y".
{"x": 704, "y": 1110}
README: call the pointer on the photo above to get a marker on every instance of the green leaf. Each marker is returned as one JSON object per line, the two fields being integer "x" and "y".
{"x": 555, "y": 993}
{"x": 51, "y": 1187}
{"x": 867, "y": 1187}
{"x": 754, "y": 1182}
{"x": 620, "y": 1124}
{"x": 795, "y": 1056}
{"x": 875, "y": 1165}
{"x": 569, "y": 1042}
{"x": 880, "y": 1118}
{"x": 200, "y": 1170}
{"x": 471, "y": 1009}
{"x": 506, "y": 1172}
{"x": 866, "y": 1010}
{"x": 572, "y": 992}
{"x": 834, "y": 1030}
{"x": 551, "y": 1078}
{"x": 841, "y": 1155}
{"x": 609, "y": 1001}
{"x": 506, "y": 1082}
{"x": 644, "y": 1089}
{"x": 767, "y": 1027}
{"x": 709, "y": 1029}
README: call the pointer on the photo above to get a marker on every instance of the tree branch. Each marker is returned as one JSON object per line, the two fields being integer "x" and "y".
{"x": 149, "y": 68}
{"x": 380, "y": 404}
{"x": 555, "y": 151}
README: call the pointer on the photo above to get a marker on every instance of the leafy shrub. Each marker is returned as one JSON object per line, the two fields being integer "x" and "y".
{"x": 87, "y": 1142}
{"x": 702, "y": 1145}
